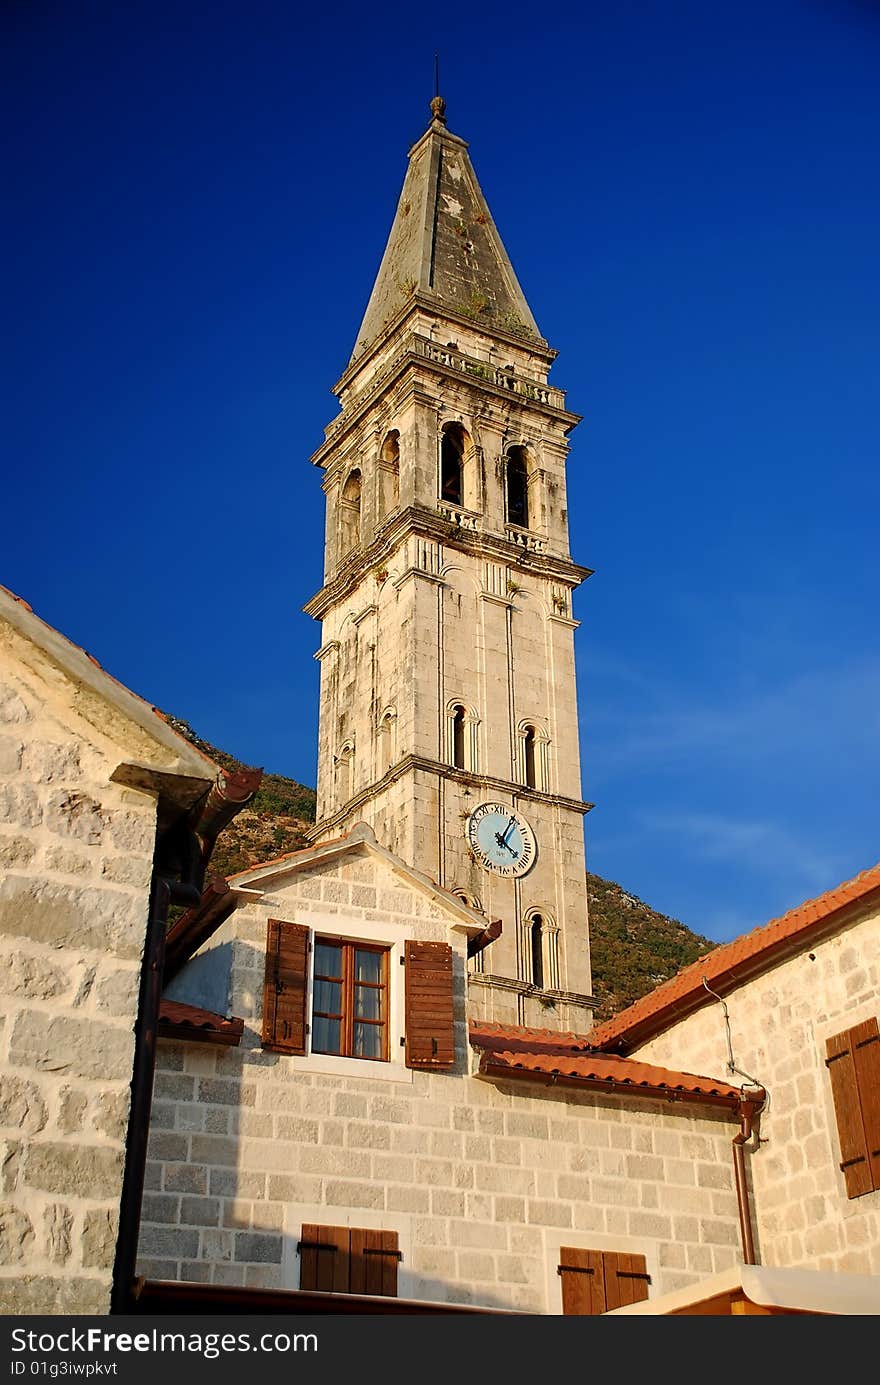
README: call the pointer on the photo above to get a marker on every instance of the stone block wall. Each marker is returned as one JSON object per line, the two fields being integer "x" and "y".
{"x": 779, "y": 1025}
{"x": 75, "y": 863}
{"x": 482, "y": 1182}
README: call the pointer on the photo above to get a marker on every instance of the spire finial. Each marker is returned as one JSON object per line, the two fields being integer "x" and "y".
{"x": 438, "y": 105}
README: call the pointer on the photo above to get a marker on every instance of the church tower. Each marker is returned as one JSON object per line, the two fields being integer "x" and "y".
{"x": 448, "y": 712}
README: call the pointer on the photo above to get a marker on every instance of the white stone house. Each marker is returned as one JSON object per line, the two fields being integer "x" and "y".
{"x": 91, "y": 778}
{"x": 510, "y": 1154}
{"x": 484, "y": 1158}
{"x": 802, "y": 996}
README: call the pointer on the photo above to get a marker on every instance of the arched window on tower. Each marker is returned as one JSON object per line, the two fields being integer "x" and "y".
{"x": 518, "y": 487}
{"x": 386, "y": 747}
{"x": 536, "y": 942}
{"x": 344, "y": 765}
{"x": 389, "y": 474}
{"x": 459, "y": 723}
{"x": 462, "y": 736}
{"x": 529, "y": 757}
{"x": 540, "y": 950}
{"x": 452, "y": 450}
{"x": 532, "y": 756}
{"x": 350, "y": 514}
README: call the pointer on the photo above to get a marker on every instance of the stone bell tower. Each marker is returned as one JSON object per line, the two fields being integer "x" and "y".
{"x": 448, "y": 715}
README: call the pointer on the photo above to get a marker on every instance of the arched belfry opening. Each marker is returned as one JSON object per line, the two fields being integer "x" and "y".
{"x": 350, "y": 513}
{"x": 453, "y": 445}
{"x": 517, "y": 481}
{"x": 389, "y": 474}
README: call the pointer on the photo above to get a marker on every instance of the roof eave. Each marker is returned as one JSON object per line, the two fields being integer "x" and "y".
{"x": 730, "y": 1102}
{"x": 729, "y": 978}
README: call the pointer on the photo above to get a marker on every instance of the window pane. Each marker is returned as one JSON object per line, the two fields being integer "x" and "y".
{"x": 328, "y": 997}
{"x": 328, "y": 959}
{"x": 368, "y": 1003}
{"x": 368, "y": 966}
{"x": 368, "y": 1040}
{"x": 326, "y": 1036}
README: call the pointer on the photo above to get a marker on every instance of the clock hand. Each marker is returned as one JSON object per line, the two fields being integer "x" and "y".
{"x": 501, "y": 842}
{"x": 507, "y": 831}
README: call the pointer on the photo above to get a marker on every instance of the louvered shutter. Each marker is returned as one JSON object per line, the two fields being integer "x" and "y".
{"x": 847, "y": 1108}
{"x": 324, "y": 1259}
{"x": 374, "y": 1257}
{"x": 286, "y": 986}
{"x": 430, "y": 1028}
{"x": 583, "y": 1287}
{"x": 626, "y": 1279}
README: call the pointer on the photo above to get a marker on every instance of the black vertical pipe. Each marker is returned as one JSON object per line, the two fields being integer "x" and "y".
{"x": 141, "y": 1096}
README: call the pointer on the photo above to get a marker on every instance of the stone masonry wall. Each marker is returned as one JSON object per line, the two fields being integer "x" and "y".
{"x": 75, "y": 861}
{"x": 483, "y": 1182}
{"x": 779, "y": 1025}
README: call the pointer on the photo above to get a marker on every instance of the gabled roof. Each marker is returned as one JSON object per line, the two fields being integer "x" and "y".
{"x": 360, "y": 840}
{"x": 727, "y": 967}
{"x": 90, "y": 679}
{"x": 509, "y": 1051}
{"x": 443, "y": 245}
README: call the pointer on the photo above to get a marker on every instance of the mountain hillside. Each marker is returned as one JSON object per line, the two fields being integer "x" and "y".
{"x": 633, "y": 947}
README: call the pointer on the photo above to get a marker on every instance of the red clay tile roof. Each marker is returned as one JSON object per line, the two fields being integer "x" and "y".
{"x": 486, "y": 1034}
{"x": 541, "y": 1054}
{"x": 728, "y": 966}
{"x": 178, "y": 1020}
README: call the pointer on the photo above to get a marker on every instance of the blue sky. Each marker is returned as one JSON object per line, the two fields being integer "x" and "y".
{"x": 200, "y": 195}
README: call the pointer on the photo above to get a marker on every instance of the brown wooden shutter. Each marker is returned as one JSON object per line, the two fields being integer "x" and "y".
{"x": 286, "y": 987}
{"x": 374, "y": 1258}
{"x": 626, "y": 1279}
{"x": 348, "y": 1260}
{"x": 583, "y": 1286}
{"x": 324, "y": 1259}
{"x": 866, "y": 1056}
{"x": 847, "y": 1108}
{"x": 430, "y": 1027}
{"x": 595, "y": 1281}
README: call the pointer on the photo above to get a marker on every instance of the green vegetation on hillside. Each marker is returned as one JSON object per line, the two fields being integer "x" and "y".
{"x": 633, "y": 947}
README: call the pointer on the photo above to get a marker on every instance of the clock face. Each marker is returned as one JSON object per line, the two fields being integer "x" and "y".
{"x": 501, "y": 840}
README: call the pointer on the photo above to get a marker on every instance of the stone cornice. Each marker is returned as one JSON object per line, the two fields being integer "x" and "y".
{"x": 410, "y": 763}
{"x": 413, "y": 354}
{"x": 527, "y": 988}
{"x": 432, "y": 525}
{"x": 421, "y": 302}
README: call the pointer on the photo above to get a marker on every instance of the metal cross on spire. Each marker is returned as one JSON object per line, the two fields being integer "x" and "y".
{"x": 438, "y": 105}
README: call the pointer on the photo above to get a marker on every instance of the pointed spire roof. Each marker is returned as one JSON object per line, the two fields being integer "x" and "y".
{"x": 444, "y": 246}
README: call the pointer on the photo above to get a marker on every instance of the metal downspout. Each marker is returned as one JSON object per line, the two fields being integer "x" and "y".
{"x": 747, "y": 1112}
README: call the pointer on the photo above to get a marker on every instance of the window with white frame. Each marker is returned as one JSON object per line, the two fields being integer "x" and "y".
{"x": 337, "y": 996}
